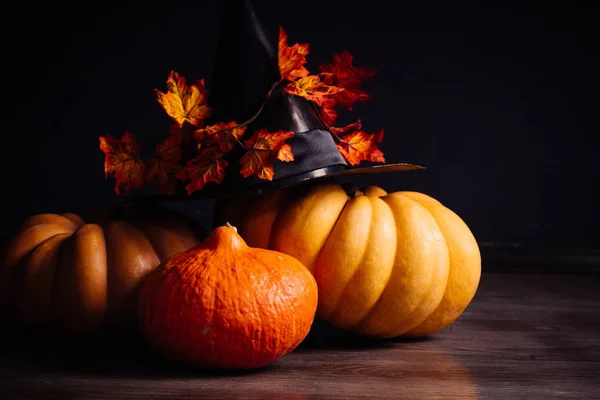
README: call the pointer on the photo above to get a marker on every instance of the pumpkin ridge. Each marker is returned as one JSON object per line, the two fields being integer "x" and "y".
{"x": 425, "y": 298}
{"x": 410, "y": 194}
{"x": 392, "y": 330}
{"x": 33, "y": 249}
{"x": 79, "y": 284}
{"x": 358, "y": 327}
{"x": 168, "y": 231}
{"x": 279, "y": 224}
{"x": 13, "y": 262}
{"x": 186, "y": 228}
{"x": 47, "y": 219}
{"x": 316, "y": 263}
{"x": 344, "y": 292}
{"x": 19, "y": 247}
{"x": 76, "y": 218}
{"x": 448, "y": 310}
{"x": 20, "y": 272}
{"x": 370, "y": 238}
{"x": 129, "y": 259}
{"x": 145, "y": 228}
{"x": 264, "y": 215}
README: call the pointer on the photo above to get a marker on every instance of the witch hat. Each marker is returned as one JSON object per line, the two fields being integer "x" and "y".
{"x": 245, "y": 85}
{"x": 264, "y": 123}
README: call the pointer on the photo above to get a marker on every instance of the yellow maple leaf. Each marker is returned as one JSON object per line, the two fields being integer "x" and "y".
{"x": 313, "y": 88}
{"x": 184, "y": 103}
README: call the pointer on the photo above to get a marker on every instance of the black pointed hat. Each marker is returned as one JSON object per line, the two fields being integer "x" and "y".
{"x": 247, "y": 87}
{"x": 244, "y": 86}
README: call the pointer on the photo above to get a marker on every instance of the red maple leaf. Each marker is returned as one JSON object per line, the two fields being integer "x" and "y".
{"x": 164, "y": 166}
{"x": 329, "y": 111}
{"x": 122, "y": 161}
{"x": 349, "y": 77}
{"x": 263, "y": 149}
{"x": 208, "y": 166}
{"x": 291, "y": 59}
{"x": 342, "y": 130}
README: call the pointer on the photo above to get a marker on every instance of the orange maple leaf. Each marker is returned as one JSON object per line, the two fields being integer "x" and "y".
{"x": 122, "y": 160}
{"x": 208, "y": 166}
{"x": 184, "y": 103}
{"x": 358, "y": 146}
{"x": 164, "y": 166}
{"x": 313, "y": 87}
{"x": 291, "y": 59}
{"x": 225, "y": 134}
{"x": 349, "y": 77}
{"x": 263, "y": 149}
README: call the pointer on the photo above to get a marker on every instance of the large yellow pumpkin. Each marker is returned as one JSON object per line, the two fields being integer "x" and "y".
{"x": 61, "y": 274}
{"x": 386, "y": 265}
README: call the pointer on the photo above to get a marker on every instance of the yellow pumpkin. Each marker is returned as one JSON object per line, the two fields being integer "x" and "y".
{"x": 386, "y": 265}
{"x": 61, "y": 274}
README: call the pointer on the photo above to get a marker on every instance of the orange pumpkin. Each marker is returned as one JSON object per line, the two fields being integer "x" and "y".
{"x": 386, "y": 265}
{"x": 223, "y": 304}
{"x": 64, "y": 275}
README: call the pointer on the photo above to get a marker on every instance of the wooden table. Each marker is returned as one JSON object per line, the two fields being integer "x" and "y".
{"x": 525, "y": 336}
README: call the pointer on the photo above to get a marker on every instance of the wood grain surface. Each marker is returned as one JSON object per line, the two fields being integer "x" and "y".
{"x": 523, "y": 337}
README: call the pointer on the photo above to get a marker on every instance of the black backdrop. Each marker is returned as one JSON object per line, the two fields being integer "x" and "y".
{"x": 498, "y": 101}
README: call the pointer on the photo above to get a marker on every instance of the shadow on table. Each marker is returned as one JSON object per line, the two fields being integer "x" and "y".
{"x": 21, "y": 352}
{"x": 326, "y": 337}
{"x": 128, "y": 358}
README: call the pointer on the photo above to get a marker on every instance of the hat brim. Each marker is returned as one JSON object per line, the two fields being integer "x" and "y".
{"x": 213, "y": 191}
{"x": 378, "y": 169}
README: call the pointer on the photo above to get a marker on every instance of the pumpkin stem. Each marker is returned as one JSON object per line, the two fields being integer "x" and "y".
{"x": 227, "y": 224}
{"x": 352, "y": 190}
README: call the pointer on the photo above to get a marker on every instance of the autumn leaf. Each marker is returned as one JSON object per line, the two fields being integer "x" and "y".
{"x": 313, "y": 88}
{"x": 208, "y": 166}
{"x": 346, "y": 73}
{"x": 225, "y": 134}
{"x": 263, "y": 149}
{"x": 291, "y": 59}
{"x": 122, "y": 161}
{"x": 358, "y": 146}
{"x": 176, "y": 130}
{"x": 343, "y": 130}
{"x": 329, "y": 112}
{"x": 164, "y": 166}
{"x": 349, "y": 77}
{"x": 184, "y": 103}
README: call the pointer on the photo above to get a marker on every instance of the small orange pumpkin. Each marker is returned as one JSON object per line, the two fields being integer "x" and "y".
{"x": 64, "y": 275}
{"x": 386, "y": 265}
{"x": 223, "y": 304}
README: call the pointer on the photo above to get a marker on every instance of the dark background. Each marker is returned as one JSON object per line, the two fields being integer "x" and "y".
{"x": 499, "y": 101}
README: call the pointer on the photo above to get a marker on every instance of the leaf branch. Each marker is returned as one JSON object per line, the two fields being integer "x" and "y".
{"x": 252, "y": 118}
